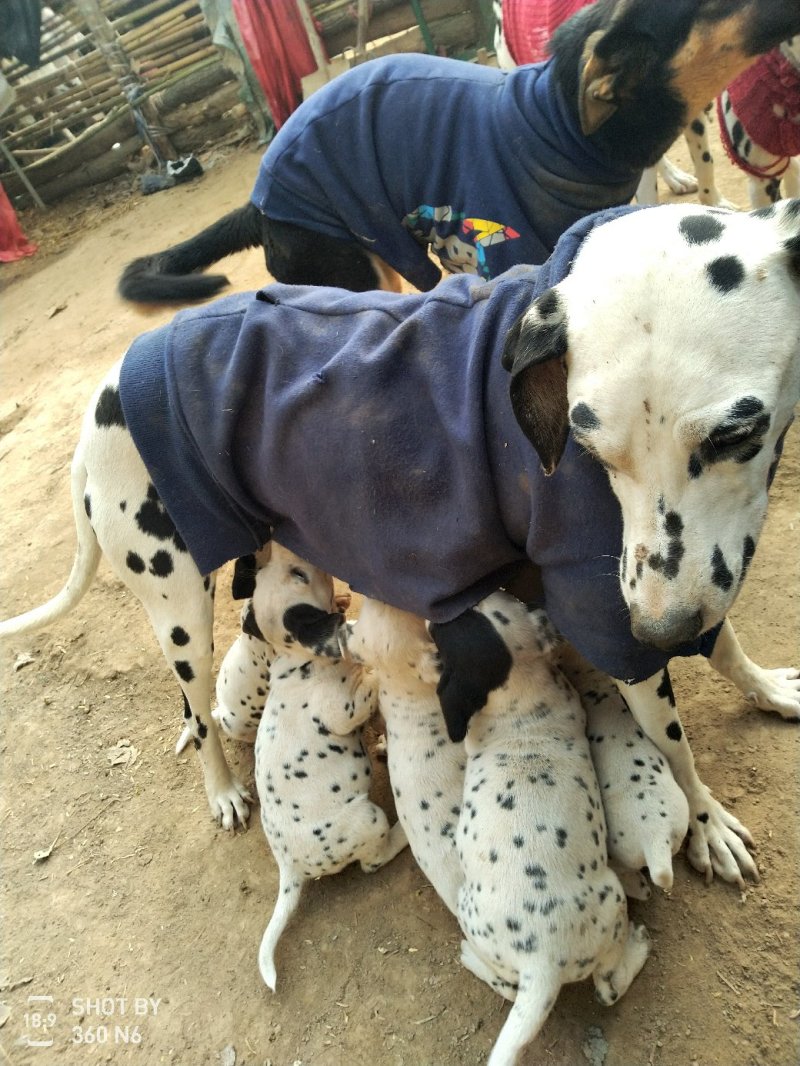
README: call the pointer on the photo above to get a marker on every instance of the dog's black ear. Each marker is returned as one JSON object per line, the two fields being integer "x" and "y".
{"x": 475, "y": 660}
{"x": 250, "y": 625}
{"x": 535, "y": 352}
{"x": 315, "y": 629}
{"x": 243, "y": 584}
{"x": 613, "y": 65}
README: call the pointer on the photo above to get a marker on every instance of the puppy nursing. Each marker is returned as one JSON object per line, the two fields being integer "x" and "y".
{"x": 312, "y": 770}
{"x": 426, "y": 770}
{"x": 539, "y": 905}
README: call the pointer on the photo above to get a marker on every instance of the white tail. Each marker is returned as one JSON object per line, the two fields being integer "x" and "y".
{"x": 536, "y": 995}
{"x": 289, "y": 890}
{"x": 658, "y": 859}
{"x": 84, "y": 566}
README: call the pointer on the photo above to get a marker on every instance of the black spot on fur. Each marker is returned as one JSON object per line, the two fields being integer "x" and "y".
{"x": 161, "y": 564}
{"x": 584, "y": 417}
{"x": 701, "y": 229}
{"x": 87, "y": 506}
{"x": 664, "y": 690}
{"x": 187, "y": 710}
{"x": 179, "y": 636}
{"x": 725, "y": 273}
{"x": 748, "y": 550}
{"x": 184, "y": 670}
{"x": 250, "y": 625}
{"x": 109, "y": 408}
{"x": 152, "y": 518}
{"x": 135, "y": 563}
{"x": 674, "y": 731}
{"x": 720, "y": 574}
{"x": 746, "y": 407}
{"x": 703, "y": 817}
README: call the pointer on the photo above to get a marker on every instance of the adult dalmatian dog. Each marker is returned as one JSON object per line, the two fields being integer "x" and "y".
{"x": 627, "y": 400}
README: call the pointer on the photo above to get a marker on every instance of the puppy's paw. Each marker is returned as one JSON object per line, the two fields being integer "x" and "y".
{"x": 677, "y": 180}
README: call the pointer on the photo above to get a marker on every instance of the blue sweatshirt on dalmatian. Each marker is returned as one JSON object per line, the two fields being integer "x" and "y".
{"x": 488, "y": 168}
{"x": 374, "y": 432}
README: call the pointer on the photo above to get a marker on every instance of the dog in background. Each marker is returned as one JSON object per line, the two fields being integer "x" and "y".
{"x": 759, "y": 116}
{"x": 312, "y": 769}
{"x": 344, "y": 203}
{"x": 539, "y": 906}
{"x": 523, "y": 29}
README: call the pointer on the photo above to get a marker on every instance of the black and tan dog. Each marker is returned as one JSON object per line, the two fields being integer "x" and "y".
{"x": 384, "y": 160}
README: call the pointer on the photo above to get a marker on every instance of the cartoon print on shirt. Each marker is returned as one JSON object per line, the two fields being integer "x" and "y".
{"x": 443, "y": 228}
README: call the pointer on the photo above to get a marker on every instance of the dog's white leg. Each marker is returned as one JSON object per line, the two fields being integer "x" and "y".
{"x": 483, "y": 971}
{"x": 791, "y": 180}
{"x": 617, "y": 968}
{"x": 717, "y": 842}
{"x": 703, "y": 162}
{"x": 187, "y": 647}
{"x": 140, "y": 542}
{"x": 633, "y": 882}
{"x": 647, "y": 190}
{"x": 384, "y": 847}
{"x": 770, "y": 690}
{"x": 676, "y": 180}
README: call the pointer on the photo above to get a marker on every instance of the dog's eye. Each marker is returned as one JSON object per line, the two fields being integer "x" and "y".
{"x": 730, "y": 438}
{"x": 301, "y": 575}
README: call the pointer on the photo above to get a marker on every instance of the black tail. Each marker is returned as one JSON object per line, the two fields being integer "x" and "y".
{"x": 168, "y": 276}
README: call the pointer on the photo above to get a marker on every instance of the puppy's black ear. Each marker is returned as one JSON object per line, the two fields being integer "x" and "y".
{"x": 535, "y": 351}
{"x": 475, "y": 660}
{"x": 243, "y": 584}
{"x": 315, "y": 629}
{"x": 250, "y": 625}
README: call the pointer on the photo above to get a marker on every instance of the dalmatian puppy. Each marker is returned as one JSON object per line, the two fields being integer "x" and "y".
{"x": 242, "y": 684}
{"x": 426, "y": 769}
{"x": 539, "y": 906}
{"x": 243, "y": 681}
{"x": 647, "y": 815}
{"x": 312, "y": 769}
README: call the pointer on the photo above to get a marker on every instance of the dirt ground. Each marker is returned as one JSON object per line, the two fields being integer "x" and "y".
{"x": 134, "y": 938}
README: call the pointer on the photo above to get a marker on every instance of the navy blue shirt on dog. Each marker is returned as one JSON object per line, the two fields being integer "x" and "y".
{"x": 375, "y": 433}
{"x": 488, "y": 168}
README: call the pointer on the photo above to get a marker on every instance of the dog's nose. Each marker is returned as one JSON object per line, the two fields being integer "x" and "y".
{"x": 672, "y": 628}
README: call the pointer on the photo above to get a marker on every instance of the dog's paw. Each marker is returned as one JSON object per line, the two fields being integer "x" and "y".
{"x": 230, "y": 806}
{"x": 713, "y": 198}
{"x": 776, "y": 690}
{"x": 718, "y": 843}
{"x": 634, "y": 884}
{"x": 677, "y": 180}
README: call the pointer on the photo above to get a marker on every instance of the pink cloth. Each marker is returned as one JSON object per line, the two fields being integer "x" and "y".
{"x": 13, "y": 242}
{"x": 278, "y": 49}
{"x": 766, "y": 100}
{"x": 528, "y": 25}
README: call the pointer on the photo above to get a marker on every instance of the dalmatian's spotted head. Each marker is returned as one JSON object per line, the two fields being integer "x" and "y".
{"x": 293, "y": 603}
{"x": 479, "y": 648}
{"x": 672, "y": 353}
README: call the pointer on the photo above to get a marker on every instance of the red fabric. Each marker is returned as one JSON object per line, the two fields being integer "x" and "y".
{"x": 13, "y": 242}
{"x": 766, "y": 100}
{"x": 528, "y": 25}
{"x": 278, "y": 49}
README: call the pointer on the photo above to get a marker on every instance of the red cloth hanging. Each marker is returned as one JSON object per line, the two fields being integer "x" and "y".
{"x": 278, "y": 49}
{"x": 528, "y": 25}
{"x": 13, "y": 242}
